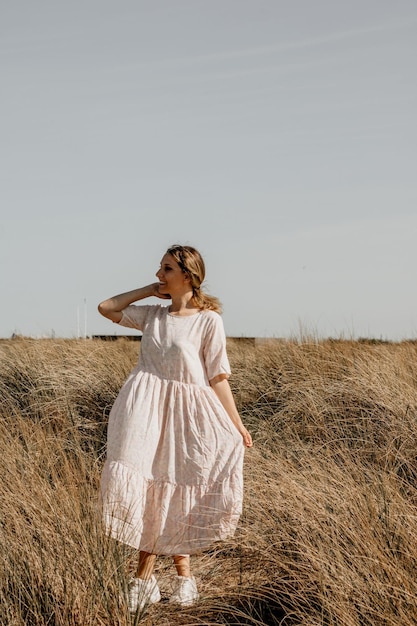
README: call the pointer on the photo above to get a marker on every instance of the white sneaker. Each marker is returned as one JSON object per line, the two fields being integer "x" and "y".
{"x": 142, "y": 592}
{"x": 185, "y": 591}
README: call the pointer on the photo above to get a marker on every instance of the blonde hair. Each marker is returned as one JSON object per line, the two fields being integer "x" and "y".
{"x": 191, "y": 262}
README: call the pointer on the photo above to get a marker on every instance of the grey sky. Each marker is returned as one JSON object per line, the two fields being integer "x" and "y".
{"x": 278, "y": 137}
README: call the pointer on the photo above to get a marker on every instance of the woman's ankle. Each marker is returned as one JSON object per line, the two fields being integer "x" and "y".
{"x": 182, "y": 565}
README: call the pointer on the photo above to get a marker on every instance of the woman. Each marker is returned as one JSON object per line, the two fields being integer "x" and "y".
{"x": 172, "y": 481}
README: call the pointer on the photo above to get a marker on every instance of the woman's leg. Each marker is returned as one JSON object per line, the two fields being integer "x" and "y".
{"x": 143, "y": 589}
{"x": 182, "y": 565}
{"x": 145, "y": 565}
{"x": 185, "y": 588}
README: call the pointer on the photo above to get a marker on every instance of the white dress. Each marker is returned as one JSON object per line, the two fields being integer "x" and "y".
{"x": 172, "y": 481}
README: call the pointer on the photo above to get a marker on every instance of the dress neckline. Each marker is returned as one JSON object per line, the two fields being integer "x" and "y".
{"x": 182, "y": 316}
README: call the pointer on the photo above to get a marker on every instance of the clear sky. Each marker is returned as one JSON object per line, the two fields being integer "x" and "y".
{"x": 277, "y": 136}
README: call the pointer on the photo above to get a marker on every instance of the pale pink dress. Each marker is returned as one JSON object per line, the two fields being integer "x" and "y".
{"x": 172, "y": 481}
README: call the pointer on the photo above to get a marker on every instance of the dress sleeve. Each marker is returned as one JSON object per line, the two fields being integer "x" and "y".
{"x": 134, "y": 316}
{"x": 214, "y": 349}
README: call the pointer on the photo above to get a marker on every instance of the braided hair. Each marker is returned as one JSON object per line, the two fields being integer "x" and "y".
{"x": 191, "y": 262}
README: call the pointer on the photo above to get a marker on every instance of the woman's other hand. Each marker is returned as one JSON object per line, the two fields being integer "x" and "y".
{"x": 221, "y": 388}
{"x": 247, "y": 438}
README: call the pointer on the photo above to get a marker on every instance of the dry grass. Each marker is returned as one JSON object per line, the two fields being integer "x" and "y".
{"x": 328, "y": 532}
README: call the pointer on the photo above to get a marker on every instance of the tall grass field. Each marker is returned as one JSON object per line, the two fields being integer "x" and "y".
{"x": 328, "y": 535}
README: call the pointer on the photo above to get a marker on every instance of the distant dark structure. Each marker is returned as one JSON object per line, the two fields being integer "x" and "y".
{"x": 245, "y": 340}
{"x": 115, "y": 337}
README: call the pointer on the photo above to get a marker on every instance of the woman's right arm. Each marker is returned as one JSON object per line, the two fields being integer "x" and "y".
{"x": 113, "y": 307}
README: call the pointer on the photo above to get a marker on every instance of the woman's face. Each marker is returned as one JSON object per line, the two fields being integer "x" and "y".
{"x": 172, "y": 280}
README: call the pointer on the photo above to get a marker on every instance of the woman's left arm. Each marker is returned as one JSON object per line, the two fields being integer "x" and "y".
{"x": 221, "y": 387}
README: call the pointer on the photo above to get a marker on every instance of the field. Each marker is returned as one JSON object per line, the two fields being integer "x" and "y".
{"x": 328, "y": 534}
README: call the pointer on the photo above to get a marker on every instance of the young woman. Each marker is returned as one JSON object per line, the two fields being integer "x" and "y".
{"x": 172, "y": 481}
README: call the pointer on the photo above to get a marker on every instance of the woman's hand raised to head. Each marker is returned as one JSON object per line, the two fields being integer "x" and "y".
{"x": 157, "y": 293}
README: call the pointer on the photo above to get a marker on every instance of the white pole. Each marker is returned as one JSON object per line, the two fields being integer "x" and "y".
{"x": 78, "y": 322}
{"x": 85, "y": 318}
